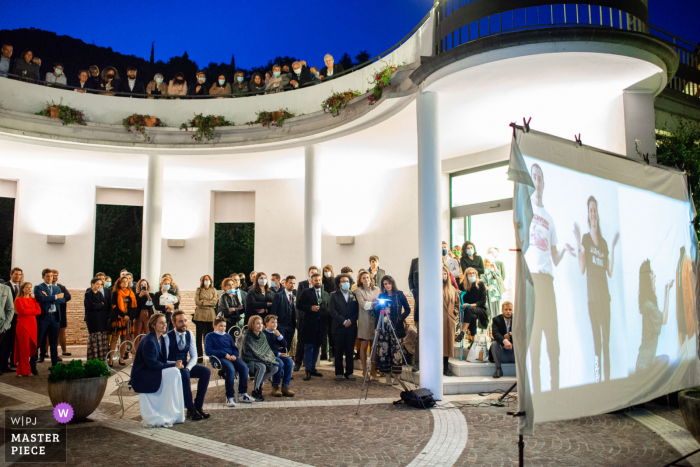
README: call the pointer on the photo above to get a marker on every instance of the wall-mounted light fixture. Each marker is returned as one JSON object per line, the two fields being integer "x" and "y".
{"x": 347, "y": 240}
{"x": 56, "y": 239}
{"x": 174, "y": 243}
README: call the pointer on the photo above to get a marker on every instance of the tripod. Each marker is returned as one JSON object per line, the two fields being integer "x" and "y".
{"x": 384, "y": 320}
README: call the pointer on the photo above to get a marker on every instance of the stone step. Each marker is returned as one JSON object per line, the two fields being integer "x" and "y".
{"x": 475, "y": 384}
{"x": 464, "y": 368}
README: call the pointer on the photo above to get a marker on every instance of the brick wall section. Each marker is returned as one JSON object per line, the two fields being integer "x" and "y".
{"x": 77, "y": 334}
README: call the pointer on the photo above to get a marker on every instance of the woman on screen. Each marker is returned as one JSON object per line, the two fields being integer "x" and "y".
{"x": 652, "y": 317}
{"x": 595, "y": 258}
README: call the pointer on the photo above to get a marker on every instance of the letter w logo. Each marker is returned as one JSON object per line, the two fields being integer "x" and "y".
{"x": 63, "y": 413}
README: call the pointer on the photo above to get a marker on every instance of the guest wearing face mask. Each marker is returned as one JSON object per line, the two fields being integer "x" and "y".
{"x": 205, "y": 311}
{"x": 473, "y": 304}
{"x": 278, "y": 82}
{"x": 470, "y": 259}
{"x": 240, "y": 85}
{"x": 56, "y": 77}
{"x": 199, "y": 88}
{"x": 131, "y": 85}
{"x": 259, "y": 300}
{"x": 110, "y": 81}
{"x": 230, "y": 304}
{"x": 157, "y": 87}
{"x": 450, "y": 313}
{"x": 451, "y": 263}
{"x": 144, "y": 309}
{"x": 177, "y": 85}
{"x": 220, "y": 88}
{"x": 328, "y": 278}
{"x": 256, "y": 84}
{"x": 165, "y": 301}
{"x": 275, "y": 283}
{"x": 299, "y": 76}
{"x": 343, "y": 309}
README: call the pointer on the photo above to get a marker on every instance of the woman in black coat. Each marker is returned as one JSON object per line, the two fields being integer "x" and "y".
{"x": 256, "y": 83}
{"x": 470, "y": 259}
{"x": 390, "y": 359}
{"x": 97, "y": 313}
{"x": 260, "y": 298}
{"x": 473, "y": 303}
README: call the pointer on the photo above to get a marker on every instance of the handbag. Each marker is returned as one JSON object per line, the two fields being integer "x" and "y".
{"x": 479, "y": 351}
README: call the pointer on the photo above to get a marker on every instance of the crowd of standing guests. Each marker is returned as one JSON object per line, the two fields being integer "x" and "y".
{"x": 280, "y": 78}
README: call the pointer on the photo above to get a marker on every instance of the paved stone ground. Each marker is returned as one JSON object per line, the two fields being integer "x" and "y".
{"x": 317, "y": 431}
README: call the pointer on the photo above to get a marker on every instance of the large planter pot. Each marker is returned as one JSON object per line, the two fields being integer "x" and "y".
{"x": 84, "y": 395}
{"x": 689, "y": 403}
{"x": 151, "y": 121}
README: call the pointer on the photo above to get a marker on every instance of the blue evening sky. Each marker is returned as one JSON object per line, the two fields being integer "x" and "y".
{"x": 257, "y": 31}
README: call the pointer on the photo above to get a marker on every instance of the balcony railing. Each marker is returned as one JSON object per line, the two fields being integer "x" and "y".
{"x": 687, "y": 78}
{"x": 462, "y": 21}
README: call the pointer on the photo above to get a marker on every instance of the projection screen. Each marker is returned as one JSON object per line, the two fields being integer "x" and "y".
{"x": 606, "y": 311}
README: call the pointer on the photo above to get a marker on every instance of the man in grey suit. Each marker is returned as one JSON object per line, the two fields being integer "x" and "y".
{"x": 7, "y": 310}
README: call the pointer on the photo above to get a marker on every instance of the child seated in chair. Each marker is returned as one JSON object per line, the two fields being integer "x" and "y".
{"x": 221, "y": 345}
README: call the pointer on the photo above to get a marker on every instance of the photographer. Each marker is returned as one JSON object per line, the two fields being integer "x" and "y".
{"x": 392, "y": 300}
{"x": 502, "y": 347}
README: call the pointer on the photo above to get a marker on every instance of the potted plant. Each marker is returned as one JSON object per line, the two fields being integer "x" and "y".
{"x": 337, "y": 101}
{"x": 204, "y": 126}
{"x": 380, "y": 81}
{"x": 270, "y": 119}
{"x": 81, "y": 386}
{"x": 67, "y": 115}
{"x": 140, "y": 122}
{"x": 689, "y": 403}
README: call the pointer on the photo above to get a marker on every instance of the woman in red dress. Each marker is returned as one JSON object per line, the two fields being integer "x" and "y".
{"x": 27, "y": 309}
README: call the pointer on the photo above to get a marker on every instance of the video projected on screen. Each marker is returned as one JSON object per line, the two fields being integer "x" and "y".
{"x": 614, "y": 281}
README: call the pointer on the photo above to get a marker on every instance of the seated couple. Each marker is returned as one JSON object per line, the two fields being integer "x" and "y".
{"x": 162, "y": 371}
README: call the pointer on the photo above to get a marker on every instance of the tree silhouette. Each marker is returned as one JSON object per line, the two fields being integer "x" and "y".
{"x": 346, "y": 61}
{"x": 362, "y": 57}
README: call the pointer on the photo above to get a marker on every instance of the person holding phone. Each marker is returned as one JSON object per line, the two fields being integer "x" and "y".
{"x": 279, "y": 346}
{"x": 144, "y": 309}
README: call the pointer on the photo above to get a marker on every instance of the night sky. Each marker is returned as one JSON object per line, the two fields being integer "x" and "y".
{"x": 257, "y": 31}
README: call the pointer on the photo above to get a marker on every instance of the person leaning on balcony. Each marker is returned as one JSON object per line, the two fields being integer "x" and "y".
{"x": 199, "y": 88}
{"x": 300, "y": 75}
{"x": 84, "y": 83}
{"x": 97, "y": 312}
{"x": 131, "y": 85}
{"x": 110, "y": 81}
{"x": 5, "y": 59}
{"x": 220, "y": 88}
{"x": 56, "y": 77}
{"x": 94, "y": 77}
{"x": 205, "y": 301}
{"x": 240, "y": 85}
{"x": 256, "y": 84}
{"x": 314, "y": 76}
{"x": 177, "y": 85}
{"x": 26, "y": 68}
{"x": 331, "y": 69}
{"x": 157, "y": 87}
{"x": 278, "y": 81}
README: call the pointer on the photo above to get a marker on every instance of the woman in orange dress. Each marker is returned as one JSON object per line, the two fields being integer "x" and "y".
{"x": 123, "y": 303}
{"x": 26, "y": 308}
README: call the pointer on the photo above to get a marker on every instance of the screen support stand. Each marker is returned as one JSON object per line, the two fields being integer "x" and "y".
{"x": 521, "y": 443}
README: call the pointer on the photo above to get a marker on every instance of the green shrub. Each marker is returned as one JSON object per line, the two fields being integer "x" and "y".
{"x": 76, "y": 370}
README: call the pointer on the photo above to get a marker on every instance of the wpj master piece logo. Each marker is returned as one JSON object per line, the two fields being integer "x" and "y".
{"x": 37, "y": 435}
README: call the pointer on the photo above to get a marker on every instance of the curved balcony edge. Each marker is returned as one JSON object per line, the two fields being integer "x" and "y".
{"x": 601, "y": 40}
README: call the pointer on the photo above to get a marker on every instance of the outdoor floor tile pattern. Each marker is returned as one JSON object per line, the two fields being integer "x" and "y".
{"x": 319, "y": 427}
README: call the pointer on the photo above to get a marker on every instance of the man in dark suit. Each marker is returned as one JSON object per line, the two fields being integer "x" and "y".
{"x": 413, "y": 285}
{"x": 7, "y": 342}
{"x": 180, "y": 343}
{"x": 502, "y": 346}
{"x": 284, "y": 307}
{"x": 313, "y": 306}
{"x": 130, "y": 85}
{"x": 331, "y": 69}
{"x": 48, "y": 322}
{"x": 344, "y": 311}
{"x": 64, "y": 313}
{"x": 303, "y": 285}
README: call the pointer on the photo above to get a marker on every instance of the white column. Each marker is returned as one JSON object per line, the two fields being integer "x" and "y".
{"x": 312, "y": 218}
{"x": 429, "y": 252}
{"x": 640, "y": 124}
{"x": 152, "y": 221}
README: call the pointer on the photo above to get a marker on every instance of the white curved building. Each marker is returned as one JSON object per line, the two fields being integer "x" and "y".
{"x": 426, "y": 163}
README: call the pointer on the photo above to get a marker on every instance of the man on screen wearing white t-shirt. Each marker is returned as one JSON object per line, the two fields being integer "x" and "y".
{"x": 542, "y": 255}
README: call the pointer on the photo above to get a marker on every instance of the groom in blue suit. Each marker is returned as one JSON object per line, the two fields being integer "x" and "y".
{"x": 48, "y": 323}
{"x": 180, "y": 344}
